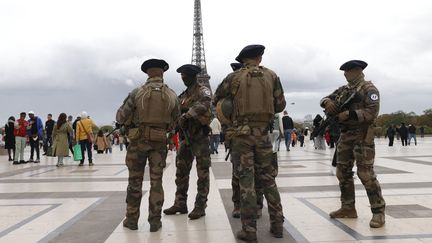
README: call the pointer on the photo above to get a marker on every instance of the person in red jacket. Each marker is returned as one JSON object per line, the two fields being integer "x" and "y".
{"x": 20, "y": 139}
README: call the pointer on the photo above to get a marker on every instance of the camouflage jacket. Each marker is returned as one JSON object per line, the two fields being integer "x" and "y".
{"x": 365, "y": 103}
{"x": 225, "y": 89}
{"x": 195, "y": 101}
{"x": 127, "y": 115}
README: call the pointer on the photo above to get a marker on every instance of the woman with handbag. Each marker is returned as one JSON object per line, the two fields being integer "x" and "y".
{"x": 101, "y": 143}
{"x": 85, "y": 137}
{"x": 60, "y": 138}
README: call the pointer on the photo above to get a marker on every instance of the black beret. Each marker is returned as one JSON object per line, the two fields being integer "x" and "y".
{"x": 250, "y": 51}
{"x": 236, "y": 66}
{"x": 154, "y": 63}
{"x": 353, "y": 64}
{"x": 189, "y": 69}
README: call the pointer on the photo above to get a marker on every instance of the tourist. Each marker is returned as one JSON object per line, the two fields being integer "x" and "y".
{"x": 60, "y": 139}
{"x": 35, "y": 132}
{"x": 9, "y": 137}
{"x": 100, "y": 142}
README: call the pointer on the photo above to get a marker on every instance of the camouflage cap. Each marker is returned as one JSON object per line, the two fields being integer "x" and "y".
{"x": 154, "y": 63}
{"x": 353, "y": 64}
{"x": 250, "y": 51}
{"x": 189, "y": 69}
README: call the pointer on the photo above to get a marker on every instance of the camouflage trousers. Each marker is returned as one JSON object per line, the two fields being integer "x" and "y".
{"x": 256, "y": 156}
{"x": 235, "y": 183}
{"x": 352, "y": 147}
{"x": 198, "y": 148}
{"x": 137, "y": 154}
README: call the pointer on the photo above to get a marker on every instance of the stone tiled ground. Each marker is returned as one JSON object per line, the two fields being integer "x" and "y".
{"x": 43, "y": 203}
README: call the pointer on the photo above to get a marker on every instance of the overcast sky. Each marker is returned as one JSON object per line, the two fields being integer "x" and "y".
{"x": 69, "y": 56}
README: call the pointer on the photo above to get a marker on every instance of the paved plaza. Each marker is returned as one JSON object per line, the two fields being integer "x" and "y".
{"x": 43, "y": 203}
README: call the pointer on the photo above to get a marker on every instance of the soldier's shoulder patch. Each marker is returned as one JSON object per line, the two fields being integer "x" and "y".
{"x": 373, "y": 96}
{"x": 206, "y": 90}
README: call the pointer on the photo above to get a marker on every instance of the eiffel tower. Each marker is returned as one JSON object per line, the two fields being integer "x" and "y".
{"x": 198, "y": 55}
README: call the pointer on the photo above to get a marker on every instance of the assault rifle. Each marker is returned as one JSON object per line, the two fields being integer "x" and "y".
{"x": 331, "y": 119}
{"x": 181, "y": 129}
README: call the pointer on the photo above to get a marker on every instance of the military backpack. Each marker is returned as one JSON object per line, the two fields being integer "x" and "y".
{"x": 253, "y": 99}
{"x": 155, "y": 103}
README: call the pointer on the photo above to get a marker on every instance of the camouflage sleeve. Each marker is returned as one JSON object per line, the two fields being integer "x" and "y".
{"x": 331, "y": 96}
{"x": 279, "y": 97}
{"x": 125, "y": 111}
{"x": 371, "y": 106}
{"x": 202, "y": 104}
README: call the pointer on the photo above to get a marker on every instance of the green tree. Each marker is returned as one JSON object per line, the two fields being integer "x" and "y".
{"x": 396, "y": 118}
{"x": 106, "y": 128}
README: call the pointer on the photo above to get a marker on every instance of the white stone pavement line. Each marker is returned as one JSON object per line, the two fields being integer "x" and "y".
{"x": 29, "y": 219}
{"x": 356, "y": 235}
{"x": 71, "y": 221}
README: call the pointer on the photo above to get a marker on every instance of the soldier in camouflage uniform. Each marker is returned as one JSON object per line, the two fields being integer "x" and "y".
{"x": 257, "y": 95}
{"x": 147, "y": 141}
{"x": 356, "y": 142}
{"x": 235, "y": 161}
{"x": 193, "y": 130}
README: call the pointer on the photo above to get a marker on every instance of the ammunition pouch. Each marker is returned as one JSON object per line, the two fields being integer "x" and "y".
{"x": 232, "y": 132}
{"x": 154, "y": 134}
{"x": 133, "y": 134}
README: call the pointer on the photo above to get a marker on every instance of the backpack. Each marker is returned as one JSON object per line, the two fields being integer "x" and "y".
{"x": 253, "y": 95}
{"x": 155, "y": 102}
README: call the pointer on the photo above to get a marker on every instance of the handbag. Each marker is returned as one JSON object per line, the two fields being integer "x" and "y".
{"x": 77, "y": 152}
{"x": 90, "y": 136}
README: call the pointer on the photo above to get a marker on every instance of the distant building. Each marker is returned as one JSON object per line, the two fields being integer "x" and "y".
{"x": 308, "y": 121}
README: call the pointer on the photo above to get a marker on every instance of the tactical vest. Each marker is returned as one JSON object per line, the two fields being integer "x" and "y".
{"x": 187, "y": 101}
{"x": 253, "y": 100}
{"x": 359, "y": 102}
{"x": 155, "y": 103}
